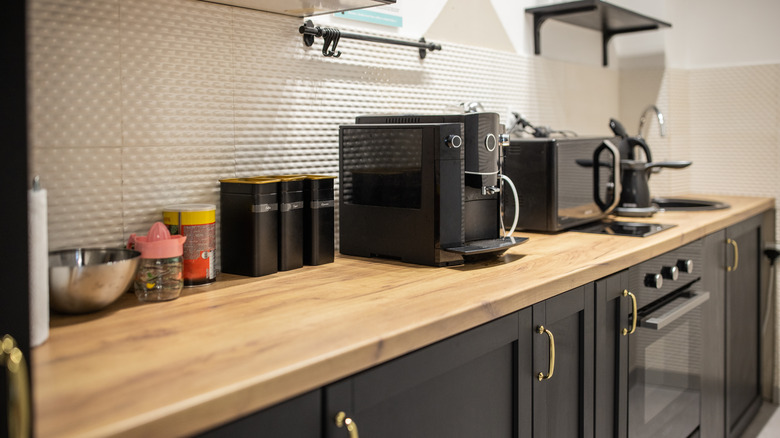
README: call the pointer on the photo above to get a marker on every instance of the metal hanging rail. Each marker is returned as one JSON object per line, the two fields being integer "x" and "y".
{"x": 331, "y": 37}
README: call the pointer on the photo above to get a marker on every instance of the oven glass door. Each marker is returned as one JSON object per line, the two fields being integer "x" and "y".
{"x": 665, "y": 368}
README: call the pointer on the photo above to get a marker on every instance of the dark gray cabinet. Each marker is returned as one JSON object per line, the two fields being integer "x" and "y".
{"x": 713, "y": 395}
{"x": 613, "y": 328}
{"x": 299, "y": 417}
{"x": 526, "y": 374}
{"x": 563, "y": 402}
{"x": 464, "y": 386}
{"x": 736, "y": 274}
{"x": 14, "y": 180}
{"x": 743, "y": 319}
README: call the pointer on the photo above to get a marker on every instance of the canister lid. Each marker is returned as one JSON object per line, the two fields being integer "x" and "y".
{"x": 190, "y": 207}
{"x": 288, "y": 177}
{"x": 252, "y": 180}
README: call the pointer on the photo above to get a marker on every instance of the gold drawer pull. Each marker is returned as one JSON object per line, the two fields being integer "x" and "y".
{"x": 733, "y": 243}
{"x": 541, "y": 376}
{"x": 634, "y": 317}
{"x": 18, "y": 390}
{"x": 343, "y": 421}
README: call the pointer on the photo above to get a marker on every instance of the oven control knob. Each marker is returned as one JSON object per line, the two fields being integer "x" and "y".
{"x": 685, "y": 266}
{"x": 453, "y": 141}
{"x": 654, "y": 280}
{"x": 670, "y": 272}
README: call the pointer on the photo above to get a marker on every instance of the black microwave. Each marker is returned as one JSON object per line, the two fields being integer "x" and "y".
{"x": 558, "y": 186}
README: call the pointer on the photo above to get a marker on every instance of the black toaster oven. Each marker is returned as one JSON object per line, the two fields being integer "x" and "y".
{"x": 558, "y": 186}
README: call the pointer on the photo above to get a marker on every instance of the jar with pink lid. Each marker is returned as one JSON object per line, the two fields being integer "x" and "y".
{"x": 159, "y": 275}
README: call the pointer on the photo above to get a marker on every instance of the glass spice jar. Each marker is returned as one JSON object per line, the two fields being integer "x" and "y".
{"x": 159, "y": 275}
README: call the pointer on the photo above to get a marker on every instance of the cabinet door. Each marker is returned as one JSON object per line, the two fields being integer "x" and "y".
{"x": 613, "y": 319}
{"x": 465, "y": 386}
{"x": 713, "y": 370}
{"x": 743, "y": 319}
{"x": 563, "y": 402}
{"x": 299, "y": 417}
{"x": 14, "y": 320}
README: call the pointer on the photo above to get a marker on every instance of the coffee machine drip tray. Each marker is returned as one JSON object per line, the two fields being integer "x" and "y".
{"x": 487, "y": 246}
{"x": 618, "y": 228}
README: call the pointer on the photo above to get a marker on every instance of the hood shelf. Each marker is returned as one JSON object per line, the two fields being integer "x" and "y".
{"x": 598, "y": 15}
{"x": 303, "y": 8}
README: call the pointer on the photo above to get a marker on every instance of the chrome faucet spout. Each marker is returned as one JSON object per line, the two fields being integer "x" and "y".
{"x": 659, "y": 116}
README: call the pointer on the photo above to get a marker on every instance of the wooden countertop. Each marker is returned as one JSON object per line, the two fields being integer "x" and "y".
{"x": 228, "y": 349}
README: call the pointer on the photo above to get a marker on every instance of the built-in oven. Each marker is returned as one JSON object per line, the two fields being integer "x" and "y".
{"x": 665, "y": 351}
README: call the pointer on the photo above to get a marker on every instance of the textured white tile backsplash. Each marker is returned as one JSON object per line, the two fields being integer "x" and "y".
{"x": 137, "y": 104}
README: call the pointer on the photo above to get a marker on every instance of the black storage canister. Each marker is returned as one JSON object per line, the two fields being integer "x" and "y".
{"x": 249, "y": 226}
{"x": 319, "y": 220}
{"x": 290, "y": 221}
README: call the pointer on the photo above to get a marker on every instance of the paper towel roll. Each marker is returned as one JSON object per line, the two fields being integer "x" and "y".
{"x": 39, "y": 266}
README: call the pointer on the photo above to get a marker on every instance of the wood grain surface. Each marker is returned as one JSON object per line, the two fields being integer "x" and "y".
{"x": 241, "y": 344}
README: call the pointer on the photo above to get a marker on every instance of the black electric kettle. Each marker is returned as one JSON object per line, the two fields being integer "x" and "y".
{"x": 635, "y": 199}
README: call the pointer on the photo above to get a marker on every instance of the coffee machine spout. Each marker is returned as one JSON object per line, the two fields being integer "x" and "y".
{"x": 490, "y": 190}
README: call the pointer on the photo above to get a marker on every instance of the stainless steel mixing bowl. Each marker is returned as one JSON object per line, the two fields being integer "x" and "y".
{"x": 84, "y": 280}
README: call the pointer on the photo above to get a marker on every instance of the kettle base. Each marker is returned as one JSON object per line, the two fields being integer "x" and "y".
{"x": 636, "y": 211}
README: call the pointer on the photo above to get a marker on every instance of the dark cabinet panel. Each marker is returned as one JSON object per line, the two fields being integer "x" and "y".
{"x": 613, "y": 324}
{"x": 563, "y": 402}
{"x": 296, "y": 418}
{"x": 15, "y": 320}
{"x": 735, "y": 273}
{"x": 713, "y": 396}
{"x": 464, "y": 386}
{"x": 743, "y": 319}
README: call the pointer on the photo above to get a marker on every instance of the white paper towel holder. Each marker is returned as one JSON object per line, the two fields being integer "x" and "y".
{"x": 38, "y": 263}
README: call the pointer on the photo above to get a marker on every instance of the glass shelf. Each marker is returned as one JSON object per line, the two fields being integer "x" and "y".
{"x": 598, "y": 15}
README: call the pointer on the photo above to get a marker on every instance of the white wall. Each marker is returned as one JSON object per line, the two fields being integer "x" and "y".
{"x": 723, "y": 33}
{"x": 494, "y": 24}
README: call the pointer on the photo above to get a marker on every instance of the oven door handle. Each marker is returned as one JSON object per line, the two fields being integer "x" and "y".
{"x": 668, "y": 317}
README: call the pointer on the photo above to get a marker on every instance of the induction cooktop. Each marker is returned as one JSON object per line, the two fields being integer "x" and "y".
{"x": 618, "y": 228}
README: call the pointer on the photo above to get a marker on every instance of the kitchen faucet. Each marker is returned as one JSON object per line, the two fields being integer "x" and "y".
{"x": 661, "y": 126}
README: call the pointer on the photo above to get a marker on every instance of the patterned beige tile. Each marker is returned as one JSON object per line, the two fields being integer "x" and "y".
{"x": 154, "y": 177}
{"x": 84, "y": 195}
{"x": 190, "y": 92}
{"x": 734, "y": 114}
{"x": 74, "y": 69}
{"x": 176, "y": 73}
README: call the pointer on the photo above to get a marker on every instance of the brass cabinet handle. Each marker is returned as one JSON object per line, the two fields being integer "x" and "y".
{"x": 733, "y": 243}
{"x": 18, "y": 390}
{"x": 549, "y": 375}
{"x": 634, "y": 316}
{"x": 343, "y": 421}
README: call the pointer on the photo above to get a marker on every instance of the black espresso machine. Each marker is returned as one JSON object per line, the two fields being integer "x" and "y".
{"x": 424, "y": 189}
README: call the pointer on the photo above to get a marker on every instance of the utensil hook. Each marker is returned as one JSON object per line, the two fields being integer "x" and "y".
{"x": 330, "y": 36}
